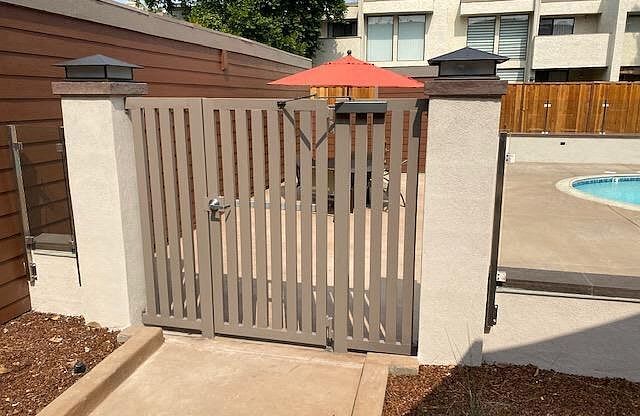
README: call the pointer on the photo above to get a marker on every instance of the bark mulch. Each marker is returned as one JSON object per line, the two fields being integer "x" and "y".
{"x": 507, "y": 390}
{"x": 38, "y": 353}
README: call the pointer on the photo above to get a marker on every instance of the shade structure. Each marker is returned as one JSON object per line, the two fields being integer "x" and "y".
{"x": 348, "y": 72}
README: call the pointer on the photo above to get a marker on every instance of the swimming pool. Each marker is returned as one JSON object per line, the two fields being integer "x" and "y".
{"x": 618, "y": 190}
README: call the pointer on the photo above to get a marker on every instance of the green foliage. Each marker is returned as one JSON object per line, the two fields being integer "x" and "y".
{"x": 291, "y": 25}
{"x": 177, "y": 8}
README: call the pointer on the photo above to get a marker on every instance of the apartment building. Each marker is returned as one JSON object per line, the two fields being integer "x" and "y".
{"x": 546, "y": 40}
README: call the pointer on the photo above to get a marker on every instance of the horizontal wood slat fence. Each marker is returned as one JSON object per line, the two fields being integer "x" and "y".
{"x": 585, "y": 107}
{"x": 14, "y": 286}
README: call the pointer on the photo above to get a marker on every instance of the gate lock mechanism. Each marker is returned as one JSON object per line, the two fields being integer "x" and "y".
{"x": 217, "y": 206}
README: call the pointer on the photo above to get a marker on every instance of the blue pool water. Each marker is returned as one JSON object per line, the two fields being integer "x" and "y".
{"x": 624, "y": 189}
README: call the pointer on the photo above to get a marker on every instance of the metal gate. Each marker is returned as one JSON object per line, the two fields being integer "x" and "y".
{"x": 281, "y": 220}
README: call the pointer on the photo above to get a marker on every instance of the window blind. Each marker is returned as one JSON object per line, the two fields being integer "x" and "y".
{"x": 514, "y": 35}
{"x": 480, "y": 33}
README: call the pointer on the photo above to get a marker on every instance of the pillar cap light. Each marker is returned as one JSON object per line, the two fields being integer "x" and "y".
{"x": 468, "y": 63}
{"x": 98, "y": 68}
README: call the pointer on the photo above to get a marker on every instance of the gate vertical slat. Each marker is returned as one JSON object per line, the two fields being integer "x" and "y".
{"x": 204, "y": 153}
{"x": 155, "y": 175}
{"x": 375, "y": 248}
{"x": 393, "y": 218}
{"x": 229, "y": 216}
{"x": 290, "y": 195}
{"x": 243, "y": 165}
{"x": 257, "y": 146}
{"x": 413, "y": 145}
{"x": 275, "y": 218}
{"x": 171, "y": 197}
{"x": 322, "y": 152}
{"x": 185, "y": 211}
{"x": 359, "y": 230}
{"x": 306, "y": 231}
{"x": 341, "y": 238}
{"x": 140, "y": 150}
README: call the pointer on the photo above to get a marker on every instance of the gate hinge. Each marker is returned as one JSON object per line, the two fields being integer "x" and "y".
{"x": 329, "y": 334}
{"x": 60, "y": 147}
{"x": 18, "y": 146}
{"x": 494, "y": 315}
{"x": 33, "y": 274}
{"x": 29, "y": 241}
{"x": 501, "y": 277}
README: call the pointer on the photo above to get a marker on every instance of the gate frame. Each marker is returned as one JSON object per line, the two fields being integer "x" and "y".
{"x": 332, "y": 330}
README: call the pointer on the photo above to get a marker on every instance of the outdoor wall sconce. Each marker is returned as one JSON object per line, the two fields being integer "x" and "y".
{"x": 98, "y": 68}
{"x": 468, "y": 63}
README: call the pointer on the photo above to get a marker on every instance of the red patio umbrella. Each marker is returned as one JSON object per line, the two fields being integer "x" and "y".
{"x": 348, "y": 72}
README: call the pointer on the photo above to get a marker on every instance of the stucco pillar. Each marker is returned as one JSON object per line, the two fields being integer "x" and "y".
{"x": 102, "y": 181}
{"x": 462, "y": 151}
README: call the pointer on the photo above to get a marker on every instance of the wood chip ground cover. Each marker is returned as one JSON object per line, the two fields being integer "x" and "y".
{"x": 37, "y": 356}
{"x": 508, "y": 390}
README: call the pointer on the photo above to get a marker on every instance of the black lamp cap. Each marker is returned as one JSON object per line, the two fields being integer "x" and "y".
{"x": 97, "y": 60}
{"x": 468, "y": 54}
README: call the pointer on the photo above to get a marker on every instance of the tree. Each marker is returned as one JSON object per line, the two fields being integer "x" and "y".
{"x": 177, "y": 8}
{"x": 291, "y": 25}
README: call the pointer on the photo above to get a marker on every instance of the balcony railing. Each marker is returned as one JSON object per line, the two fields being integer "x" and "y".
{"x": 570, "y": 7}
{"x": 571, "y": 51}
{"x": 397, "y": 6}
{"x": 486, "y": 7}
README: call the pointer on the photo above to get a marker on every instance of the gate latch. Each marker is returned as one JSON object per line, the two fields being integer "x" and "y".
{"x": 216, "y": 205}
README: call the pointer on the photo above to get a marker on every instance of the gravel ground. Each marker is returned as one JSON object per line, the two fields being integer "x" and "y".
{"x": 37, "y": 355}
{"x": 508, "y": 390}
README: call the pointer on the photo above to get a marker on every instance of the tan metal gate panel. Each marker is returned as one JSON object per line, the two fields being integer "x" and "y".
{"x": 168, "y": 137}
{"x": 254, "y": 230}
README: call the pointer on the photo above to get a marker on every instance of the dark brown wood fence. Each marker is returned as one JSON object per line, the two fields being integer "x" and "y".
{"x": 585, "y": 107}
{"x": 14, "y": 285}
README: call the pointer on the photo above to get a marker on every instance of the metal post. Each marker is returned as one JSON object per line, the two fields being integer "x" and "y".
{"x": 491, "y": 314}
{"x": 605, "y": 106}
{"x": 16, "y": 147}
{"x": 65, "y": 168}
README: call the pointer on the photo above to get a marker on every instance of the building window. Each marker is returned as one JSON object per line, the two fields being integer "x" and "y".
{"x": 481, "y": 33}
{"x": 514, "y": 35}
{"x": 556, "y": 26}
{"x": 630, "y": 73}
{"x": 553, "y": 75}
{"x": 380, "y": 38}
{"x": 342, "y": 29}
{"x": 511, "y": 75}
{"x": 411, "y": 30}
{"x": 633, "y": 23}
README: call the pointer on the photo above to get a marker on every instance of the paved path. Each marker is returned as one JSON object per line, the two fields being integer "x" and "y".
{"x": 197, "y": 376}
{"x": 543, "y": 228}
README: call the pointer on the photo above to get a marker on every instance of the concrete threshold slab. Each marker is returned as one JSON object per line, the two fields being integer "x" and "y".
{"x": 198, "y": 376}
{"x": 373, "y": 383}
{"x": 88, "y": 392}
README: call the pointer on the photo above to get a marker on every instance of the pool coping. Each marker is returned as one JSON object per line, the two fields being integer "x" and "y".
{"x": 593, "y": 284}
{"x": 566, "y": 186}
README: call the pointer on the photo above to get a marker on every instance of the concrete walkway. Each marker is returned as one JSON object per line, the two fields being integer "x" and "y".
{"x": 546, "y": 229}
{"x": 197, "y": 376}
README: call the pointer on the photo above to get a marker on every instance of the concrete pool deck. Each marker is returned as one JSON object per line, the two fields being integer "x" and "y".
{"x": 550, "y": 236}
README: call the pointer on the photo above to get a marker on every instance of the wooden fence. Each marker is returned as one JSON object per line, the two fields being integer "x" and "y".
{"x": 585, "y": 107}
{"x": 14, "y": 286}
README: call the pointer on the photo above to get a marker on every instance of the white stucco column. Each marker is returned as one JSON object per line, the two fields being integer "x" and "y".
{"x": 462, "y": 151}
{"x": 102, "y": 181}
